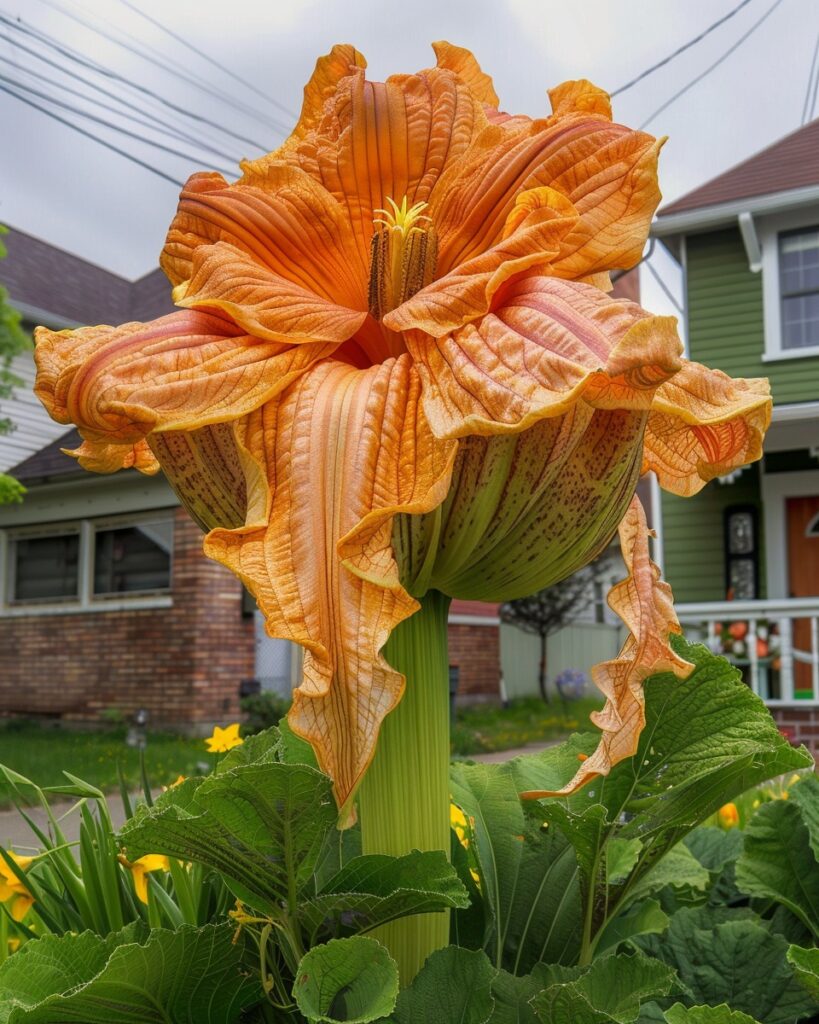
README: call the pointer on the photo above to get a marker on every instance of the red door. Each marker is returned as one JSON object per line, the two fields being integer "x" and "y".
{"x": 803, "y": 575}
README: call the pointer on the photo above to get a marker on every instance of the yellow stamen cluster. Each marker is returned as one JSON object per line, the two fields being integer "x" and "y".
{"x": 402, "y": 255}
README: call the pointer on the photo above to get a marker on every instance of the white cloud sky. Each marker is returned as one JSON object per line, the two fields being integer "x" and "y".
{"x": 73, "y": 193}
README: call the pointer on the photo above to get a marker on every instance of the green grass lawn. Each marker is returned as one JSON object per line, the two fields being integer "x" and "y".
{"x": 484, "y": 728}
{"x": 41, "y": 754}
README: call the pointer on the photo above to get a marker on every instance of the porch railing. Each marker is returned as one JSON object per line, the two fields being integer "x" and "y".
{"x": 774, "y": 643}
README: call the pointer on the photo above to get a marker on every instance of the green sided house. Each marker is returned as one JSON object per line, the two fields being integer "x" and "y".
{"x": 743, "y": 555}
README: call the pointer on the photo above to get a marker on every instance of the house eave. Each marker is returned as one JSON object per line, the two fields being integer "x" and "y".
{"x": 706, "y": 218}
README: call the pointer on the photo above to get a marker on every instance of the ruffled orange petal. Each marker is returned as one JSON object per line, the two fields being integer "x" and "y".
{"x": 462, "y": 62}
{"x": 283, "y": 219}
{"x": 263, "y": 303}
{"x": 109, "y": 458}
{"x": 645, "y": 605}
{"x": 703, "y": 425}
{"x": 330, "y": 68}
{"x": 548, "y": 344}
{"x": 607, "y": 171}
{"x": 535, "y": 228}
{"x": 180, "y": 372}
{"x": 380, "y": 140}
{"x": 580, "y": 97}
{"x": 344, "y": 450}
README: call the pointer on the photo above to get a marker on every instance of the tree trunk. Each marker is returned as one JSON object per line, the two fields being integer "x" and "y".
{"x": 544, "y": 691}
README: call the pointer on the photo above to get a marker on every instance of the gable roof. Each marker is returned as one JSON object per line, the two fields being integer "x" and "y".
{"x": 50, "y": 461}
{"x": 790, "y": 163}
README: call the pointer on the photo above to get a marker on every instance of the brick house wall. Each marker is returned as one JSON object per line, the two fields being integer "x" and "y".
{"x": 183, "y": 664}
{"x": 799, "y": 725}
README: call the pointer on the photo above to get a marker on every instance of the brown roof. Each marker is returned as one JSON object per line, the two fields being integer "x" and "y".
{"x": 73, "y": 289}
{"x": 792, "y": 162}
{"x": 50, "y": 461}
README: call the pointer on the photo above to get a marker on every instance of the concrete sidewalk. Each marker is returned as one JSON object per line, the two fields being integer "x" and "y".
{"x": 15, "y": 833}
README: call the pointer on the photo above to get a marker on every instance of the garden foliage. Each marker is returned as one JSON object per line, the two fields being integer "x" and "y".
{"x": 621, "y": 903}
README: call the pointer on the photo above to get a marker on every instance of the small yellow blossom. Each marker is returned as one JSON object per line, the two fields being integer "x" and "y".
{"x": 728, "y": 816}
{"x": 12, "y": 890}
{"x": 177, "y": 782}
{"x": 223, "y": 740}
{"x": 460, "y": 825}
{"x": 14, "y": 945}
{"x": 139, "y": 870}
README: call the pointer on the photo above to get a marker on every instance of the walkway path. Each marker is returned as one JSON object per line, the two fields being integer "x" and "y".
{"x": 15, "y": 833}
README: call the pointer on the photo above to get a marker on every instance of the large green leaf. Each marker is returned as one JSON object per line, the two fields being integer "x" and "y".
{"x": 188, "y": 976}
{"x": 714, "y": 848}
{"x": 609, "y": 991}
{"x": 723, "y": 1014}
{"x": 707, "y": 738}
{"x": 644, "y": 918}
{"x": 529, "y": 876}
{"x": 778, "y": 863}
{"x": 453, "y": 987}
{"x": 373, "y": 889}
{"x": 346, "y": 980}
{"x": 729, "y": 956}
{"x": 805, "y": 793}
{"x": 261, "y": 825}
{"x": 805, "y": 963}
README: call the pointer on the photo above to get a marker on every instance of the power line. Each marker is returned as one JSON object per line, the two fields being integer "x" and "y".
{"x": 680, "y": 49}
{"x": 102, "y": 121}
{"x": 807, "y": 106}
{"x": 90, "y": 135}
{"x": 711, "y": 67}
{"x": 148, "y": 53}
{"x": 148, "y": 121}
{"x": 98, "y": 88}
{"x": 211, "y": 60}
{"x": 108, "y": 73}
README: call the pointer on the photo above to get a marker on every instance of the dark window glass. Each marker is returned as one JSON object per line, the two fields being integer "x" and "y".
{"x": 799, "y": 285}
{"x": 129, "y": 558}
{"x": 46, "y": 568}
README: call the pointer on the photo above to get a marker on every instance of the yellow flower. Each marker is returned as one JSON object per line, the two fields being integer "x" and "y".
{"x": 728, "y": 816}
{"x": 223, "y": 740}
{"x": 460, "y": 825}
{"x": 177, "y": 781}
{"x": 12, "y": 890}
{"x": 139, "y": 870}
{"x": 14, "y": 945}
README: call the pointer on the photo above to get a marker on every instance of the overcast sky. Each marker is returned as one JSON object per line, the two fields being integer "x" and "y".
{"x": 72, "y": 192}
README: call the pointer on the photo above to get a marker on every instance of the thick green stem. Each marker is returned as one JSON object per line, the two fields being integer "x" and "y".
{"x": 404, "y": 798}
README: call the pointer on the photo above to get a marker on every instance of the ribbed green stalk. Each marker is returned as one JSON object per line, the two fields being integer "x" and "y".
{"x": 404, "y": 798}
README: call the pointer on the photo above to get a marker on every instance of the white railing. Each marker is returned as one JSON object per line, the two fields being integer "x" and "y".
{"x": 775, "y": 643}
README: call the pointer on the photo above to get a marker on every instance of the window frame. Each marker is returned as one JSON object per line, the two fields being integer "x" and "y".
{"x": 86, "y": 600}
{"x": 770, "y": 230}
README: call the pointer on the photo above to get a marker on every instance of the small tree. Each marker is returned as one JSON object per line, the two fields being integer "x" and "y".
{"x": 13, "y": 340}
{"x": 549, "y": 610}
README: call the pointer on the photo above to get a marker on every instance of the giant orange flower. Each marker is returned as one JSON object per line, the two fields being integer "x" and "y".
{"x": 396, "y": 369}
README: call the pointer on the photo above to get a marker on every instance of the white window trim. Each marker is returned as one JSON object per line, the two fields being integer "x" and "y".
{"x": 776, "y": 489}
{"x": 769, "y": 229}
{"x": 86, "y": 601}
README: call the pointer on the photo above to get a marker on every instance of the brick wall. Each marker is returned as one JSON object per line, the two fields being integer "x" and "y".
{"x": 800, "y": 725}
{"x": 475, "y": 649}
{"x": 183, "y": 664}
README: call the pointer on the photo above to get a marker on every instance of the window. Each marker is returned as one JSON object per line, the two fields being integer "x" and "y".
{"x": 46, "y": 568}
{"x": 88, "y": 564}
{"x": 133, "y": 558}
{"x": 741, "y": 553}
{"x": 799, "y": 288}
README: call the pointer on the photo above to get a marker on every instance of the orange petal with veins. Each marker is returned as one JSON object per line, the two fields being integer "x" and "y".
{"x": 704, "y": 424}
{"x": 580, "y": 97}
{"x": 283, "y": 219}
{"x": 535, "y": 228}
{"x": 607, "y": 171}
{"x": 644, "y": 603}
{"x": 180, "y": 372}
{"x": 463, "y": 63}
{"x": 344, "y": 450}
{"x": 548, "y": 344}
